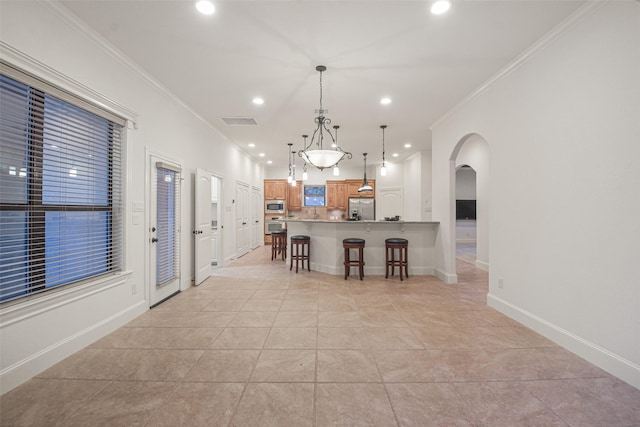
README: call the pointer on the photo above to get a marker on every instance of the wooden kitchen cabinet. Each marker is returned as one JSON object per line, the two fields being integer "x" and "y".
{"x": 275, "y": 189}
{"x": 294, "y": 198}
{"x": 337, "y": 195}
{"x": 354, "y": 184}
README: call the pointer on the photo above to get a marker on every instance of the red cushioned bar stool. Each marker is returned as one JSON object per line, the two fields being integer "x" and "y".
{"x": 390, "y": 256}
{"x": 298, "y": 253}
{"x": 279, "y": 244}
{"x": 349, "y": 244}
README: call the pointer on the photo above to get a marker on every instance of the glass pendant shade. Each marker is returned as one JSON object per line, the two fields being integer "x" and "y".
{"x": 383, "y": 171}
{"x": 322, "y": 159}
{"x": 336, "y": 171}
{"x": 305, "y": 176}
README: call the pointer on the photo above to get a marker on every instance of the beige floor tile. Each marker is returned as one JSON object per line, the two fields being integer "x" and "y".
{"x": 285, "y": 366}
{"x": 339, "y": 319}
{"x": 292, "y": 338}
{"x": 253, "y": 319}
{"x": 224, "y": 366}
{"x": 296, "y": 319}
{"x": 429, "y": 404}
{"x": 241, "y": 338}
{"x": 342, "y": 338}
{"x": 408, "y": 366}
{"x": 262, "y": 304}
{"x": 392, "y": 338}
{"x": 258, "y": 345}
{"x": 46, "y": 402}
{"x": 161, "y": 365}
{"x": 590, "y": 401}
{"x": 275, "y": 405}
{"x": 506, "y": 404}
{"x": 199, "y": 405}
{"x": 353, "y": 405}
{"x": 94, "y": 364}
{"x": 122, "y": 403}
{"x": 225, "y": 305}
{"x": 346, "y": 366}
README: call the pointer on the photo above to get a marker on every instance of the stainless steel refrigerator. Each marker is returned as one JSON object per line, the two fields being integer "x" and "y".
{"x": 363, "y": 208}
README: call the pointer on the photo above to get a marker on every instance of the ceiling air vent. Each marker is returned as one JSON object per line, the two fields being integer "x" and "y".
{"x": 239, "y": 121}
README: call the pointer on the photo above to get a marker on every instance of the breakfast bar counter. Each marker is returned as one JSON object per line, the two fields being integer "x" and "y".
{"x": 327, "y": 254}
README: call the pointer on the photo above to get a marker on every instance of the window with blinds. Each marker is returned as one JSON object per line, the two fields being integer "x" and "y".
{"x": 60, "y": 188}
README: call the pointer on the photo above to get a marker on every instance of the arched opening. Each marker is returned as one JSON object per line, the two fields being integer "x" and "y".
{"x": 470, "y": 158}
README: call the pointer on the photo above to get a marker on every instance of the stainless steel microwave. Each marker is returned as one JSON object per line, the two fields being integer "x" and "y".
{"x": 274, "y": 206}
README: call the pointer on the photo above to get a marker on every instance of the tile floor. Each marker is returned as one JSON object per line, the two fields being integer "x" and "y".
{"x": 257, "y": 345}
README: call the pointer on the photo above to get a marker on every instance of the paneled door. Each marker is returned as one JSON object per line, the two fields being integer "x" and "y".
{"x": 202, "y": 230}
{"x": 243, "y": 213}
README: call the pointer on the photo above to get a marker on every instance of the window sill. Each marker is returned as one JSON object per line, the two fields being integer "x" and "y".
{"x": 19, "y": 310}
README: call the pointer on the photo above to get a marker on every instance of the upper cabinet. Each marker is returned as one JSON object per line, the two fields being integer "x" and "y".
{"x": 354, "y": 184}
{"x": 275, "y": 189}
{"x": 337, "y": 195}
{"x": 294, "y": 201}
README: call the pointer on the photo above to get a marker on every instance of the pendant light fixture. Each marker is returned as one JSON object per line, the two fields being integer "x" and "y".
{"x": 293, "y": 167}
{"x": 290, "y": 177}
{"x": 366, "y": 188}
{"x": 316, "y": 155}
{"x": 383, "y": 169}
{"x": 336, "y": 169}
{"x": 305, "y": 175}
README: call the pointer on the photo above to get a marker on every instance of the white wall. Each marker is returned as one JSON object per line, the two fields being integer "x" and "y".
{"x": 563, "y": 128}
{"x": 37, "y": 336}
{"x": 465, "y": 183}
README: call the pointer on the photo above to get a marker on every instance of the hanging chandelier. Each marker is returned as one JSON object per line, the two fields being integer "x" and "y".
{"x": 316, "y": 155}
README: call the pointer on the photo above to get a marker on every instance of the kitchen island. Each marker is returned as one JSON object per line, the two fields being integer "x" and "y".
{"x": 327, "y": 254}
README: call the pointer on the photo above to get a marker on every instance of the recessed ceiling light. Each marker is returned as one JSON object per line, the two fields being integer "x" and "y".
{"x": 269, "y": 162}
{"x": 205, "y": 7}
{"x": 258, "y": 101}
{"x": 385, "y": 101}
{"x": 407, "y": 145}
{"x": 395, "y": 154}
{"x": 261, "y": 154}
{"x": 251, "y": 145}
{"x": 440, "y": 6}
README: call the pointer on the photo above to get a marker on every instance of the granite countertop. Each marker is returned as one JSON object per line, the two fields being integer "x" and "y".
{"x": 343, "y": 221}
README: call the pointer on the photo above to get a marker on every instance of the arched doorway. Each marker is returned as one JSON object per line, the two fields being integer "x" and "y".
{"x": 466, "y": 224}
{"x": 472, "y": 151}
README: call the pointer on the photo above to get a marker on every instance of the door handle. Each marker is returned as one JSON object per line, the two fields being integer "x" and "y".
{"x": 154, "y": 240}
{"x": 197, "y": 232}
{"x": 244, "y": 223}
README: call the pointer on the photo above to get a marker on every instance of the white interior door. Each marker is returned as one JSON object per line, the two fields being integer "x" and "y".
{"x": 390, "y": 202}
{"x": 202, "y": 231}
{"x": 256, "y": 214}
{"x": 242, "y": 218}
{"x": 164, "y": 229}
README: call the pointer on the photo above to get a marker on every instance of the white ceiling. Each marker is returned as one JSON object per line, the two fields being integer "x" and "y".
{"x": 425, "y": 63}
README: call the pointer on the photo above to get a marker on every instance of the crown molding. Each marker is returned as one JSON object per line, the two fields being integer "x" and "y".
{"x": 92, "y": 35}
{"x": 526, "y": 55}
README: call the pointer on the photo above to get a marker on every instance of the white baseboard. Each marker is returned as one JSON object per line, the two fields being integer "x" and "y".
{"x": 446, "y": 277}
{"x": 604, "y": 359}
{"x": 482, "y": 265}
{"x": 23, "y": 370}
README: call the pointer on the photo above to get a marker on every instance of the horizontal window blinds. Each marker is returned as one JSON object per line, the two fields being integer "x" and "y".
{"x": 168, "y": 218}
{"x": 61, "y": 192}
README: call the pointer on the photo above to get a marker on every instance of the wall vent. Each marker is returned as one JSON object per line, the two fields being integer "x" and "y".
{"x": 239, "y": 121}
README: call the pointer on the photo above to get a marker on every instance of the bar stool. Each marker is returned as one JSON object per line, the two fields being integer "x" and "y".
{"x": 279, "y": 244}
{"x": 349, "y": 244}
{"x": 298, "y": 245}
{"x": 390, "y": 246}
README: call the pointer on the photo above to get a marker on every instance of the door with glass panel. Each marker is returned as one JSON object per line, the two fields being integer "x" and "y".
{"x": 164, "y": 229}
